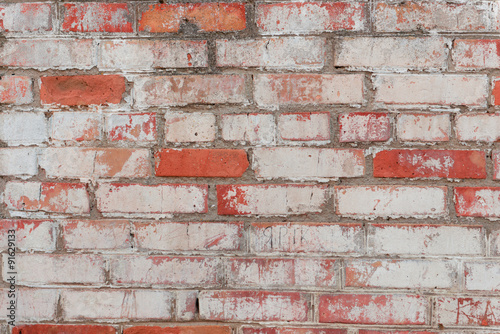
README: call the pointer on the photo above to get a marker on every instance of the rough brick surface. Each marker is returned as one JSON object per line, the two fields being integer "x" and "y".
{"x": 97, "y": 17}
{"x": 16, "y": 90}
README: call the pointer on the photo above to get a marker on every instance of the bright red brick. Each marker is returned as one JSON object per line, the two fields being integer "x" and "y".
{"x": 136, "y": 128}
{"x": 201, "y": 162}
{"x": 495, "y": 93}
{"x": 26, "y": 17}
{"x": 16, "y": 89}
{"x": 364, "y": 127}
{"x": 477, "y": 201}
{"x": 61, "y": 329}
{"x": 97, "y": 17}
{"x": 177, "y": 330}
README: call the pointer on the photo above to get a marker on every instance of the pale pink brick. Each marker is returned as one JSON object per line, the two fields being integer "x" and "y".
{"x": 75, "y": 126}
{"x": 22, "y": 162}
{"x": 33, "y": 305}
{"x": 16, "y": 89}
{"x": 296, "y": 53}
{"x": 164, "y": 270}
{"x": 23, "y": 128}
{"x": 364, "y": 127}
{"x": 307, "y": 163}
{"x": 112, "y": 235}
{"x": 476, "y": 53}
{"x": 26, "y": 17}
{"x": 423, "y": 127}
{"x": 477, "y": 201}
{"x": 256, "y": 129}
{"x": 206, "y": 236}
{"x": 31, "y": 235}
{"x": 185, "y": 305}
{"x": 150, "y": 55}
{"x": 390, "y": 201}
{"x": 137, "y": 128}
{"x": 482, "y": 276}
{"x": 190, "y": 127}
{"x": 304, "y": 126}
{"x": 467, "y": 311}
{"x": 478, "y": 127}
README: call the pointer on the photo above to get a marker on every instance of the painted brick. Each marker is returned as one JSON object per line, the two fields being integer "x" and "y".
{"x": 186, "y": 307}
{"x": 190, "y": 127}
{"x": 112, "y": 235}
{"x": 34, "y": 304}
{"x": 494, "y": 242}
{"x": 134, "y": 128}
{"x": 467, "y": 311}
{"x": 495, "y": 156}
{"x": 401, "y": 274}
{"x": 73, "y": 329}
{"x": 307, "y": 163}
{"x": 16, "y": 89}
{"x": 201, "y": 162}
{"x": 149, "y": 55}
{"x": 477, "y": 201}
{"x": 309, "y": 17}
{"x": 425, "y": 240}
{"x": 307, "y": 238}
{"x": 484, "y": 276}
{"x": 178, "y": 330}
{"x": 291, "y": 330}
{"x": 71, "y": 198}
{"x": 423, "y": 127}
{"x": 31, "y": 235}
{"x": 82, "y": 89}
{"x": 495, "y": 92}
{"x": 21, "y": 162}
{"x": 476, "y": 53}
{"x": 478, "y": 127}
{"x": 373, "y": 309}
{"x": 188, "y": 236}
{"x": 274, "y": 90}
{"x": 455, "y": 164}
{"x": 115, "y": 198}
{"x": 23, "y": 128}
{"x": 393, "y": 53}
{"x": 364, "y": 127}
{"x": 256, "y": 129}
{"x": 273, "y": 53}
{"x": 420, "y": 90}
{"x": 26, "y": 17}
{"x": 390, "y": 201}
{"x": 75, "y": 126}
{"x": 278, "y": 199}
{"x": 253, "y": 305}
{"x": 97, "y": 17}
{"x": 304, "y": 126}
{"x": 181, "y": 90}
{"x": 206, "y": 17}
{"x": 362, "y": 331}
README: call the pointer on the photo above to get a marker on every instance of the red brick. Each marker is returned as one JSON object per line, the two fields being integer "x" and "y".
{"x": 207, "y": 17}
{"x": 364, "y": 127}
{"x": 292, "y": 330}
{"x": 136, "y": 128}
{"x": 373, "y": 309}
{"x": 177, "y": 330}
{"x": 26, "y": 17}
{"x": 16, "y": 90}
{"x": 363, "y": 331}
{"x": 454, "y": 164}
{"x": 495, "y": 92}
{"x": 477, "y": 201}
{"x": 201, "y": 162}
{"x": 61, "y": 329}
{"x": 97, "y": 17}
{"x": 304, "y": 126}
{"x": 82, "y": 89}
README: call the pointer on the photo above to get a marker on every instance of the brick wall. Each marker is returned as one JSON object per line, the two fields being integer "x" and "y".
{"x": 250, "y": 167}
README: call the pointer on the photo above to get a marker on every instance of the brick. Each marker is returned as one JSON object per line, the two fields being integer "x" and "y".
{"x": 150, "y": 55}
{"x": 201, "y": 162}
{"x": 181, "y": 90}
{"x": 494, "y": 242}
{"x": 393, "y": 53}
{"x": 167, "y": 271}
{"x": 113, "y": 304}
{"x": 495, "y": 92}
{"x": 291, "y": 330}
{"x": 82, "y": 89}
{"x": 373, "y": 309}
{"x": 22, "y": 162}
{"x": 274, "y": 90}
{"x": 95, "y": 162}
{"x": 73, "y": 329}
{"x": 252, "y": 128}
{"x": 495, "y": 156}
{"x": 75, "y": 126}
{"x": 277, "y": 199}
{"x": 273, "y": 53}
{"x": 70, "y": 198}
{"x": 186, "y": 305}
{"x": 26, "y": 17}
{"x": 401, "y": 274}
{"x": 253, "y": 305}
{"x": 477, "y": 201}
{"x": 112, "y": 235}
{"x": 31, "y": 235}
{"x": 309, "y": 17}
{"x": 23, "y": 128}
{"x": 425, "y": 239}
{"x": 423, "y": 127}
{"x": 33, "y": 305}
{"x": 482, "y": 276}
{"x": 433, "y": 16}
{"x": 268, "y": 273}
{"x": 364, "y": 127}
{"x": 114, "y": 198}
{"x": 207, "y": 236}
{"x": 362, "y": 331}
{"x": 307, "y": 238}
{"x": 57, "y": 268}
{"x": 455, "y": 164}
{"x": 467, "y": 311}
{"x": 190, "y": 127}
{"x": 476, "y": 53}
{"x": 307, "y": 163}
{"x": 304, "y": 126}
{"x": 178, "y": 330}
{"x": 390, "y": 201}
{"x": 16, "y": 89}
{"x": 478, "y": 127}
{"x": 136, "y": 128}
{"x": 48, "y": 53}
{"x": 97, "y": 17}
{"x": 420, "y": 90}
{"x": 205, "y": 17}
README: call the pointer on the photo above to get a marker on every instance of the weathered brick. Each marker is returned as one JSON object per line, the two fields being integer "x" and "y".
{"x": 23, "y": 128}
{"x": 478, "y": 127}
{"x": 310, "y": 17}
{"x": 307, "y": 163}
{"x": 476, "y": 53}
{"x": 494, "y": 242}
{"x": 136, "y": 128}
{"x": 495, "y": 91}
{"x": 477, "y": 201}
{"x": 21, "y": 162}
{"x": 75, "y": 126}
{"x": 206, "y": 17}
{"x": 178, "y": 330}
{"x": 73, "y": 329}
{"x": 304, "y": 126}
{"x": 483, "y": 276}
{"x": 265, "y": 199}
{"x": 363, "y": 331}
{"x": 33, "y": 305}
{"x": 97, "y": 17}
{"x": 16, "y": 89}
{"x": 190, "y": 127}
{"x": 31, "y": 235}
{"x": 26, "y": 17}
{"x": 292, "y": 330}
{"x": 201, "y": 162}
{"x": 364, "y": 127}
{"x": 467, "y": 311}
{"x": 252, "y": 128}
{"x": 423, "y": 127}
{"x": 390, "y": 201}
{"x": 186, "y": 306}
{"x": 112, "y": 235}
